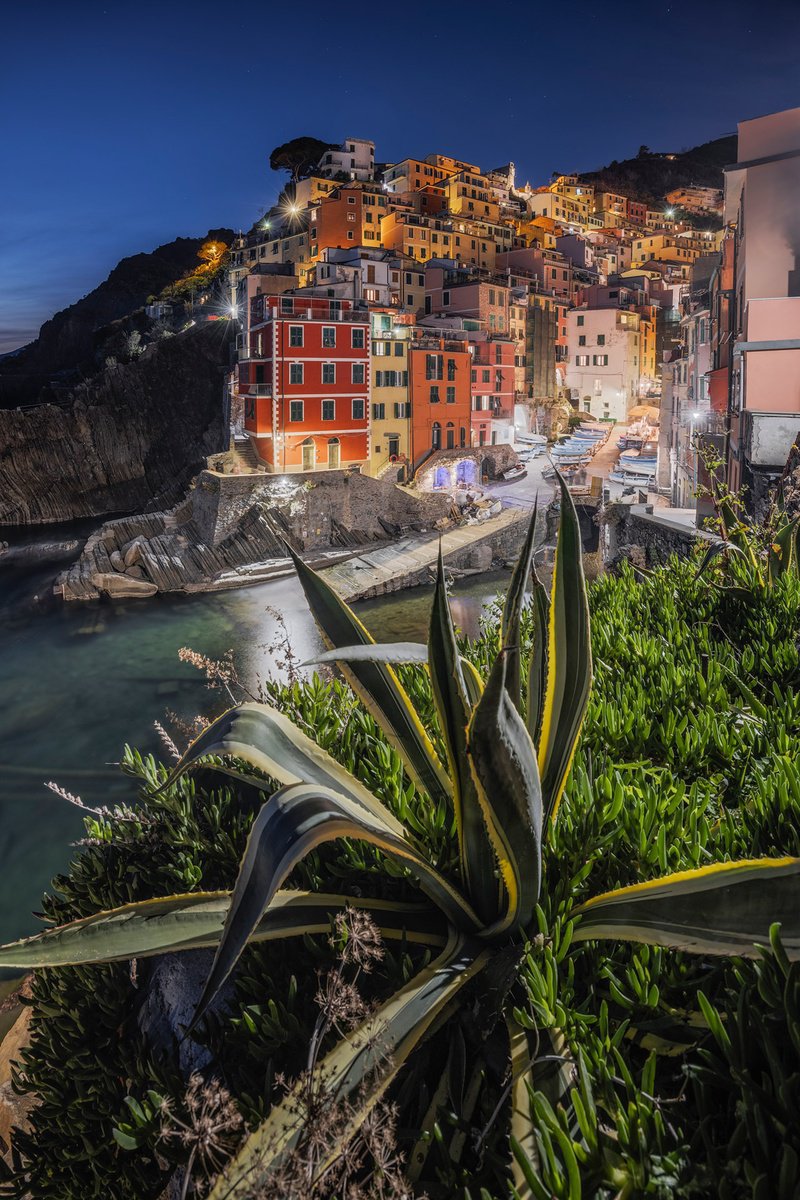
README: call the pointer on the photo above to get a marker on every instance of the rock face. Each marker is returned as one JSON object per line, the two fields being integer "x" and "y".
{"x": 128, "y": 439}
{"x": 67, "y": 342}
{"x": 232, "y": 529}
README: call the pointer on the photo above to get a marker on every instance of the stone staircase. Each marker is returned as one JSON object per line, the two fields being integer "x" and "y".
{"x": 244, "y": 454}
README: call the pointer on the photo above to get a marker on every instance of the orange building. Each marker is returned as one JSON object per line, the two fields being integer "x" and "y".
{"x": 351, "y": 216}
{"x": 439, "y": 372}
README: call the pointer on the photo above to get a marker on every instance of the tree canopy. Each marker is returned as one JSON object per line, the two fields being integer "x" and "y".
{"x": 299, "y": 156}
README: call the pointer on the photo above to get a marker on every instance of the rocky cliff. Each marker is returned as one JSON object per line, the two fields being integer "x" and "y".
{"x": 651, "y": 175}
{"x": 129, "y": 439}
{"x": 66, "y": 346}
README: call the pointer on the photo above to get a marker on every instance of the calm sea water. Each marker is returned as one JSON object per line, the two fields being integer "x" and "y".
{"x": 78, "y": 682}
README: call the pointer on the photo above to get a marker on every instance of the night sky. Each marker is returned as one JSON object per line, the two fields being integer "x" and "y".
{"x": 126, "y": 125}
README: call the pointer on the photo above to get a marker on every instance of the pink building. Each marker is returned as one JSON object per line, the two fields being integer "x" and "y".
{"x": 761, "y": 198}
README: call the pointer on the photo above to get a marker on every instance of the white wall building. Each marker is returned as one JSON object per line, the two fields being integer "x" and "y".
{"x": 603, "y": 366}
{"x": 355, "y": 159}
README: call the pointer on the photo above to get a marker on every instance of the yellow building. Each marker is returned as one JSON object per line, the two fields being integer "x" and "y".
{"x": 424, "y": 238}
{"x": 662, "y": 247}
{"x": 390, "y": 406}
{"x": 414, "y": 173}
{"x": 468, "y": 195}
{"x": 308, "y": 191}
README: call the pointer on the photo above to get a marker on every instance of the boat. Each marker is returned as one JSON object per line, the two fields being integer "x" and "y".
{"x": 512, "y": 474}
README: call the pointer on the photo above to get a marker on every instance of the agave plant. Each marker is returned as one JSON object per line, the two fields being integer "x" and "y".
{"x": 759, "y": 554}
{"x": 508, "y": 743}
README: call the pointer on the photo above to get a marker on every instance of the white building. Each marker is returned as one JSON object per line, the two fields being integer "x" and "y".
{"x": 603, "y": 367}
{"x": 355, "y": 159}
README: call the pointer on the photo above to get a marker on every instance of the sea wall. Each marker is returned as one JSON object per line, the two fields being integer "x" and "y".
{"x": 646, "y": 536}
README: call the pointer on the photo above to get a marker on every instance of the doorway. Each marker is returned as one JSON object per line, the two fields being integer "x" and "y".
{"x": 334, "y": 454}
{"x": 309, "y": 455}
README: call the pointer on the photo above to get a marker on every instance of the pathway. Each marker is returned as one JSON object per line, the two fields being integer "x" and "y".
{"x": 388, "y": 568}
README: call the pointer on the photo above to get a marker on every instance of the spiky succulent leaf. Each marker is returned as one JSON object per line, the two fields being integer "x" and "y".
{"x": 375, "y": 683}
{"x": 455, "y": 712}
{"x": 569, "y": 659}
{"x": 195, "y": 921}
{"x": 292, "y": 823}
{"x": 723, "y": 909}
{"x": 357, "y": 1072}
{"x": 502, "y": 758}
{"x": 511, "y": 622}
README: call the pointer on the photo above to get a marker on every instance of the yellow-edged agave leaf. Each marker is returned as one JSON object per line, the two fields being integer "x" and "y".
{"x": 454, "y": 709}
{"x": 537, "y": 661}
{"x": 540, "y": 1062}
{"x": 503, "y": 762}
{"x": 356, "y": 1072}
{"x": 375, "y": 683}
{"x": 723, "y": 909}
{"x": 510, "y": 625}
{"x": 782, "y": 552}
{"x": 292, "y": 822}
{"x": 195, "y": 921}
{"x": 569, "y": 659}
{"x": 374, "y": 652}
{"x": 263, "y": 737}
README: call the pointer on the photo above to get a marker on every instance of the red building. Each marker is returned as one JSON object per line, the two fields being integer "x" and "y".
{"x": 492, "y": 416}
{"x": 306, "y": 383}
{"x": 637, "y": 212}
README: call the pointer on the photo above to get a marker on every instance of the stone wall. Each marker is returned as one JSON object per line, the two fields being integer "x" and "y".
{"x": 647, "y": 537}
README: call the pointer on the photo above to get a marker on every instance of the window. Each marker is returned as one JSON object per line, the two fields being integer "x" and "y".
{"x": 474, "y": 376}
{"x": 436, "y": 435}
{"x": 378, "y": 412}
{"x": 295, "y": 335}
{"x": 581, "y": 360}
{"x": 296, "y": 410}
{"x": 328, "y": 410}
{"x": 329, "y": 373}
{"x": 434, "y": 394}
{"x": 582, "y": 340}
{"x": 351, "y": 237}
{"x": 445, "y": 297}
{"x": 398, "y": 349}
{"x": 402, "y": 410}
{"x": 286, "y": 301}
{"x": 295, "y": 373}
{"x": 357, "y": 339}
{"x": 249, "y": 408}
{"x": 259, "y": 375}
{"x": 600, "y": 360}
{"x": 357, "y": 373}
{"x": 598, "y": 387}
{"x": 433, "y": 366}
{"x": 580, "y": 320}
{"x": 328, "y": 335}
{"x": 358, "y": 410}
{"x": 451, "y": 436}
{"x": 351, "y": 199}
{"x": 451, "y": 368}
{"x": 486, "y": 376}
{"x": 601, "y": 339}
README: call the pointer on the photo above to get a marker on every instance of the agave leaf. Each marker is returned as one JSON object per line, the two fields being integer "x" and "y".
{"x": 723, "y": 909}
{"x": 263, "y": 737}
{"x": 473, "y": 681}
{"x": 503, "y": 762}
{"x": 356, "y": 1072}
{"x": 376, "y": 684}
{"x": 717, "y": 547}
{"x": 537, "y": 662}
{"x": 782, "y": 551}
{"x": 455, "y": 711}
{"x": 540, "y": 1062}
{"x": 374, "y": 652}
{"x": 195, "y": 921}
{"x": 510, "y": 625}
{"x": 291, "y": 823}
{"x": 569, "y": 659}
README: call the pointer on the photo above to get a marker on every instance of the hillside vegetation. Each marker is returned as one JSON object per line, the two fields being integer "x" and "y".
{"x": 649, "y": 176}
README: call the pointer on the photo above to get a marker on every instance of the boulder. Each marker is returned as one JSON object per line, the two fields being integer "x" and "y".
{"x": 117, "y": 561}
{"x": 123, "y": 587}
{"x": 132, "y": 552}
{"x": 480, "y": 557}
{"x": 135, "y": 572}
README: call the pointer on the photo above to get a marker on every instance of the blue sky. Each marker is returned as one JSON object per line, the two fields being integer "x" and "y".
{"x": 124, "y": 126}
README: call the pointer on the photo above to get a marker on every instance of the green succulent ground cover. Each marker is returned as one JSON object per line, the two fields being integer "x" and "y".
{"x": 687, "y": 1070}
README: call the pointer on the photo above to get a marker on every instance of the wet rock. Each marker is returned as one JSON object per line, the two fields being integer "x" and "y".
{"x": 117, "y": 561}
